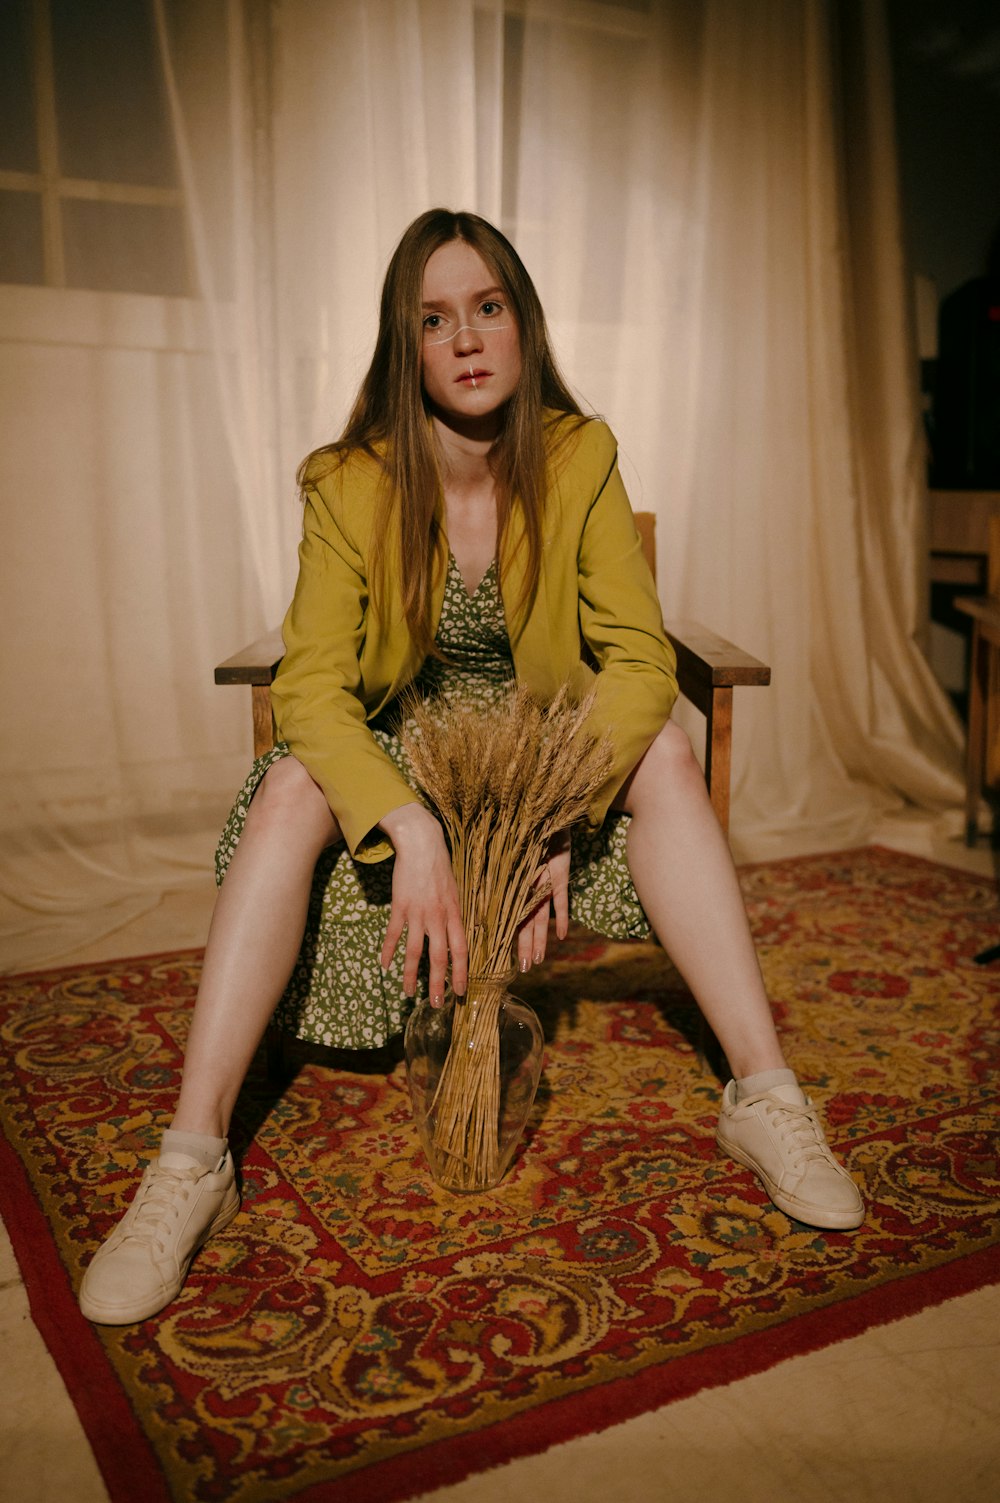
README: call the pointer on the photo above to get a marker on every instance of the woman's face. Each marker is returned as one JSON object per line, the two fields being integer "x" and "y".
{"x": 471, "y": 352}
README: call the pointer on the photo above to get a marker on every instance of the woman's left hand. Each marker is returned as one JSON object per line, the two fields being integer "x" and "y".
{"x": 534, "y": 932}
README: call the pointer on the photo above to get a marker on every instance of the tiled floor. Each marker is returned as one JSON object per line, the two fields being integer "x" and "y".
{"x": 906, "y": 1413}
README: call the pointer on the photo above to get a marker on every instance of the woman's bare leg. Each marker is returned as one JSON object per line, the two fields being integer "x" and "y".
{"x": 686, "y": 881}
{"x": 255, "y": 935}
{"x": 684, "y": 875}
{"x": 189, "y": 1192}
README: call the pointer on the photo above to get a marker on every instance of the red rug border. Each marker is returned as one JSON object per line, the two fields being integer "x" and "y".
{"x": 587, "y": 1413}
{"x": 989, "y": 878}
{"x": 123, "y": 1454}
{"x": 112, "y": 1429}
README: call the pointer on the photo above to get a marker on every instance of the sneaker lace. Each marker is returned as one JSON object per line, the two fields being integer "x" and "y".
{"x": 159, "y": 1204}
{"x": 799, "y": 1130}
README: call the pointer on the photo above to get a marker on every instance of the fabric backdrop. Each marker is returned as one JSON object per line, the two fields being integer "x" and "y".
{"x": 705, "y": 192}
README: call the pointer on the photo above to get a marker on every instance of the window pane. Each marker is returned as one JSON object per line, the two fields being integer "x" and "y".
{"x": 111, "y": 105}
{"x": 21, "y": 239}
{"x": 124, "y": 247}
{"x": 18, "y": 137}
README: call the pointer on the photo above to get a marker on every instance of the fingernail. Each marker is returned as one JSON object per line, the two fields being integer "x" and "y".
{"x": 538, "y": 957}
{"x": 525, "y": 962}
{"x": 437, "y": 1000}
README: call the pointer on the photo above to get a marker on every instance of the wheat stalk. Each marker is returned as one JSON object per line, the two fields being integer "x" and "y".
{"x": 504, "y": 780}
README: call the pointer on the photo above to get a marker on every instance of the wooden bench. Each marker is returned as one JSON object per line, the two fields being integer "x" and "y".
{"x": 708, "y": 670}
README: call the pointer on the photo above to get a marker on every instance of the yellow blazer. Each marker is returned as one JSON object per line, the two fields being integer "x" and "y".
{"x": 343, "y": 663}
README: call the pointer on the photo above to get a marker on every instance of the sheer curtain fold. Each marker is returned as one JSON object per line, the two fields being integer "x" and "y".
{"x": 381, "y": 112}
{"x": 707, "y": 297}
{"x": 220, "y": 121}
{"x": 886, "y": 716}
{"x": 705, "y": 194}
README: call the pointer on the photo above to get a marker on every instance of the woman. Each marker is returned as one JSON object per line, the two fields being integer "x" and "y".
{"x": 469, "y": 526}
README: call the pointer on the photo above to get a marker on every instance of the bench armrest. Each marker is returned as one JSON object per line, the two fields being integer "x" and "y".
{"x": 256, "y": 664}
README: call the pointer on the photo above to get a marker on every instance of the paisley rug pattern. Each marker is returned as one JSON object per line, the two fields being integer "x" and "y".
{"x": 358, "y": 1333}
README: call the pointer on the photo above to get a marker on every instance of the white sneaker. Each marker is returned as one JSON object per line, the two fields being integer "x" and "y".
{"x": 144, "y": 1262}
{"x": 778, "y": 1135}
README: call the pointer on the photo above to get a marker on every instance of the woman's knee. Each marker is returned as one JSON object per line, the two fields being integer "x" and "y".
{"x": 671, "y": 752}
{"x": 289, "y": 796}
{"x": 668, "y": 766}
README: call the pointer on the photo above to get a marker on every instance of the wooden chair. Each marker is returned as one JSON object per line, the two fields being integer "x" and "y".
{"x": 708, "y": 670}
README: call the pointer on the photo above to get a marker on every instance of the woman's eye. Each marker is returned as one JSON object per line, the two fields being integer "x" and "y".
{"x": 432, "y": 321}
{"x": 490, "y": 310}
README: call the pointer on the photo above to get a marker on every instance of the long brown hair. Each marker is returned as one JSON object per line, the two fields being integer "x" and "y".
{"x": 389, "y": 417}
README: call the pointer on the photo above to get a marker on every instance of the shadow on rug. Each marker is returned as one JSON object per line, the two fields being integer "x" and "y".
{"x": 358, "y": 1333}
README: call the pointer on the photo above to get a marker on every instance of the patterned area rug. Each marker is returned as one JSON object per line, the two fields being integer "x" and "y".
{"x": 359, "y": 1334}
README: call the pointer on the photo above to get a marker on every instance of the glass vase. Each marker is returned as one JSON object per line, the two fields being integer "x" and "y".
{"x": 473, "y": 1067}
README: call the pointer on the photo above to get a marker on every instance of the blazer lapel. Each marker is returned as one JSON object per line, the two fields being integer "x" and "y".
{"x": 528, "y": 626}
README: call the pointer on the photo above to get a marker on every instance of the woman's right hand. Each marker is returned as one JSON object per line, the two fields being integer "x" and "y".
{"x": 424, "y": 903}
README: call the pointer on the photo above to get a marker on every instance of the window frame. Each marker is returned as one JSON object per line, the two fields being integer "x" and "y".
{"x": 53, "y": 187}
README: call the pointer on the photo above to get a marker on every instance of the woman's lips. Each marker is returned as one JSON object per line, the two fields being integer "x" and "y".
{"x": 472, "y": 375}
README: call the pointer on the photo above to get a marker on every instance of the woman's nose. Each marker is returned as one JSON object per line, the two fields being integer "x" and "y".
{"x": 467, "y": 340}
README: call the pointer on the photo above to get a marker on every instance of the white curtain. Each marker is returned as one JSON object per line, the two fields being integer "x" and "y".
{"x": 705, "y": 194}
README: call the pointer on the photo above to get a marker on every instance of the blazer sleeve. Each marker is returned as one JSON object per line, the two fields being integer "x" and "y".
{"x": 317, "y": 695}
{"x": 621, "y": 623}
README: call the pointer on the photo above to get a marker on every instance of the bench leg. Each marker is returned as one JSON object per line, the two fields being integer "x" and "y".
{"x": 718, "y": 752}
{"x": 263, "y": 724}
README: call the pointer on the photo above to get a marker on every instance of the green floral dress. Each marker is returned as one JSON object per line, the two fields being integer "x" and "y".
{"x": 338, "y": 993}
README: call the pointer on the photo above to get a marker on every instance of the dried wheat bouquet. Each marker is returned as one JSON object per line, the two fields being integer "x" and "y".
{"x": 504, "y": 780}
